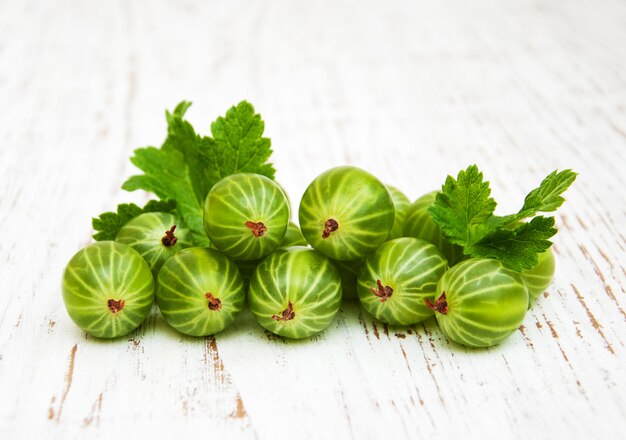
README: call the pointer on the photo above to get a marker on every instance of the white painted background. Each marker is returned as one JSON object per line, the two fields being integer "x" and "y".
{"x": 411, "y": 91}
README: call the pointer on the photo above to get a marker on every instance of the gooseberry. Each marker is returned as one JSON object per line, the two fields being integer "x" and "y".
{"x": 199, "y": 291}
{"x": 346, "y": 213}
{"x": 293, "y": 236}
{"x": 156, "y": 236}
{"x": 401, "y": 204}
{"x": 295, "y": 292}
{"x": 246, "y": 216}
{"x": 479, "y": 302}
{"x": 108, "y": 289}
{"x": 539, "y": 277}
{"x": 349, "y": 272}
{"x": 397, "y": 279}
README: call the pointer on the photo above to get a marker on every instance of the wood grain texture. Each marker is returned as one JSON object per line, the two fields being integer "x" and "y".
{"x": 411, "y": 91}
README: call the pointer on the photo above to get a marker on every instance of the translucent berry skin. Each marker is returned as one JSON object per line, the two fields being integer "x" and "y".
{"x": 108, "y": 289}
{"x": 346, "y": 213}
{"x": 295, "y": 292}
{"x": 485, "y": 302}
{"x": 411, "y": 268}
{"x": 146, "y": 232}
{"x": 200, "y": 291}
{"x": 349, "y": 272}
{"x": 293, "y": 236}
{"x": 401, "y": 204}
{"x": 539, "y": 277}
{"x": 246, "y": 216}
{"x": 247, "y": 268}
{"x": 419, "y": 224}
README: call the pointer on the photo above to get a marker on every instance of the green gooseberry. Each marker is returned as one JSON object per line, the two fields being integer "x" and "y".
{"x": 419, "y": 224}
{"x": 246, "y": 216}
{"x": 401, "y": 204}
{"x": 108, "y": 289}
{"x": 156, "y": 236}
{"x": 293, "y": 236}
{"x": 349, "y": 272}
{"x": 200, "y": 291}
{"x": 479, "y": 302}
{"x": 346, "y": 213}
{"x": 539, "y": 277}
{"x": 398, "y": 278}
{"x": 295, "y": 292}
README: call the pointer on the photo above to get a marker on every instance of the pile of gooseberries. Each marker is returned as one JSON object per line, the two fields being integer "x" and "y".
{"x": 358, "y": 239}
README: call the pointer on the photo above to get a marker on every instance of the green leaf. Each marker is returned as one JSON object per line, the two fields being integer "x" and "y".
{"x": 108, "y": 224}
{"x": 179, "y": 111}
{"x": 516, "y": 248}
{"x": 463, "y": 206}
{"x": 547, "y": 198}
{"x": 181, "y": 137}
{"x": 464, "y": 213}
{"x": 187, "y": 165}
{"x": 238, "y": 144}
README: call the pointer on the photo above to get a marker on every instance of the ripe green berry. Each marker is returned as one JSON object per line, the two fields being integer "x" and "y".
{"x": 247, "y": 268}
{"x": 398, "y": 278}
{"x": 401, "y": 204}
{"x": 246, "y": 216}
{"x": 346, "y": 213}
{"x": 419, "y": 224}
{"x": 108, "y": 289}
{"x": 295, "y": 292}
{"x": 199, "y": 291}
{"x": 349, "y": 272}
{"x": 539, "y": 277}
{"x": 293, "y": 237}
{"x": 156, "y": 236}
{"x": 480, "y": 302}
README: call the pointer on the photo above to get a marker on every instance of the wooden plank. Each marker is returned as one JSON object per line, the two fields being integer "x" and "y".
{"x": 409, "y": 91}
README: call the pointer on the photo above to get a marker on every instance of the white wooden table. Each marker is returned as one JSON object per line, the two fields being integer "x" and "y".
{"x": 411, "y": 91}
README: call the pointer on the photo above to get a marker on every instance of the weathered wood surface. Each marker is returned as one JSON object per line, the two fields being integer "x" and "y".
{"x": 410, "y": 91}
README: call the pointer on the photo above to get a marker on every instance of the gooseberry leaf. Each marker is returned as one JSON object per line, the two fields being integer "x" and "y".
{"x": 516, "y": 248}
{"x": 463, "y": 206}
{"x": 464, "y": 213}
{"x": 238, "y": 144}
{"x": 108, "y": 224}
{"x": 546, "y": 198}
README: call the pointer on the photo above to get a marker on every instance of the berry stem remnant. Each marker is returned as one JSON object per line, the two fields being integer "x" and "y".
{"x": 383, "y": 292}
{"x": 115, "y": 305}
{"x": 258, "y": 229}
{"x": 214, "y": 303}
{"x": 169, "y": 239}
{"x": 330, "y": 226}
{"x": 440, "y": 305}
{"x": 286, "y": 315}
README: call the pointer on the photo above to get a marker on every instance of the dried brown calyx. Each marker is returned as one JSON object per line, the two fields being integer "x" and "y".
{"x": 286, "y": 315}
{"x": 214, "y": 303}
{"x": 382, "y": 292}
{"x": 115, "y": 305}
{"x": 169, "y": 239}
{"x": 330, "y": 226}
{"x": 440, "y": 305}
{"x": 258, "y": 228}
